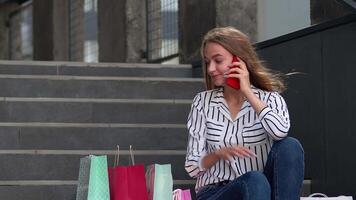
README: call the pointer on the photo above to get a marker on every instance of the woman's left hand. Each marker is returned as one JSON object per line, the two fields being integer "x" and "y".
{"x": 239, "y": 70}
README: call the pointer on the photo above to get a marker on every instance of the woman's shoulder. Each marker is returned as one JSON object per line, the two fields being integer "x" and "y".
{"x": 207, "y": 92}
{"x": 265, "y": 95}
{"x": 205, "y": 96}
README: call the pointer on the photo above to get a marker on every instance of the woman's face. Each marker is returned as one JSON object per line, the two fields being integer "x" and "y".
{"x": 217, "y": 59}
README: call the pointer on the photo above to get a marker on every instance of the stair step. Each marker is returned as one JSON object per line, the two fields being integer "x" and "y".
{"x": 143, "y": 111}
{"x": 55, "y": 192}
{"x": 54, "y": 113}
{"x": 98, "y": 87}
{"x": 87, "y": 136}
{"x": 53, "y": 166}
{"x": 60, "y": 192}
{"x": 94, "y": 69}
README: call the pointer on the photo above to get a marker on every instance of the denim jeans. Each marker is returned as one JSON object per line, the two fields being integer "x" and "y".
{"x": 281, "y": 180}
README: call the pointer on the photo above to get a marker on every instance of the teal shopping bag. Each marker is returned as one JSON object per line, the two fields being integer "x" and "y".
{"x": 160, "y": 182}
{"x": 98, "y": 180}
{"x": 83, "y": 178}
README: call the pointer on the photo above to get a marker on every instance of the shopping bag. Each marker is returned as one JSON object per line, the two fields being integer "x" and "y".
{"x": 186, "y": 195}
{"x": 127, "y": 182}
{"x": 321, "y": 196}
{"x": 98, "y": 179}
{"x": 150, "y": 176}
{"x": 83, "y": 179}
{"x": 180, "y": 194}
{"x": 160, "y": 182}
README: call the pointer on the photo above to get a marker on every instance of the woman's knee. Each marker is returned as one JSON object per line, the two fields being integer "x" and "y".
{"x": 256, "y": 180}
{"x": 288, "y": 144}
{"x": 289, "y": 148}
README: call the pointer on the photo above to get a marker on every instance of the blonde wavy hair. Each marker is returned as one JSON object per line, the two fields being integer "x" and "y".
{"x": 237, "y": 43}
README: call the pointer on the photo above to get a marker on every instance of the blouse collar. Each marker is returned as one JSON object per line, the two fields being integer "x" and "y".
{"x": 218, "y": 101}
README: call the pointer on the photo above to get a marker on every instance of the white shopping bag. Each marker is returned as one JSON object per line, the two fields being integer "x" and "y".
{"x": 320, "y": 196}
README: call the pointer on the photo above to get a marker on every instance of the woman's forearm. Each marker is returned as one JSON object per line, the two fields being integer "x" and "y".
{"x": 225, "y": 153}
{"x": 209, "y": 160}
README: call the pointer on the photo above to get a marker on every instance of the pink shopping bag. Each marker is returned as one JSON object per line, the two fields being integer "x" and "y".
{"x": 127, "y": 182}
{"x": 180, "y": 194}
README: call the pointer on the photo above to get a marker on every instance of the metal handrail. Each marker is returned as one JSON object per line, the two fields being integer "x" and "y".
{"x": 23, "y": 6}
{"x": 350, "y": 3}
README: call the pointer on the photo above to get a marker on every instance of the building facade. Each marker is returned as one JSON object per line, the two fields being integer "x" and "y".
{"x": 163, "y": 31}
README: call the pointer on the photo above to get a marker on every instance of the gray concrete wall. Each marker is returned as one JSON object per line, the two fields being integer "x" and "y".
{"x": 122, "y": 31}
{"x": 136, "y": 30}
{"x": 154, "y": 22}
{"x": 76, "y": 30}
{"x": 61, "y": 30}
{"x": 198, "y": 17}
{"x": 112, "y": 31}
{"x": 15, "y": 37}
{"x": 195, "y": 19}
{"x": 241, "y": 14}
{"x": 42, "y": 30}
{"x": 51, "y": 30}
{"x": 5, "y": 10}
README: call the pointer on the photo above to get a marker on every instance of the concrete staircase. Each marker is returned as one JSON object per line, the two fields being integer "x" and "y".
{"x": 53, "y": 113}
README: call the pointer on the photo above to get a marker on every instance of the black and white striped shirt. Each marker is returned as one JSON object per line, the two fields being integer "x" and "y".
{"x": 211, "y": 127}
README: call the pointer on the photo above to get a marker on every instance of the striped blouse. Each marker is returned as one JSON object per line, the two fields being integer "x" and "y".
{"x": 211, "y": 127}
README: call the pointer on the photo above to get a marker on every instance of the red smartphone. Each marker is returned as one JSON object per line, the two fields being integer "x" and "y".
{"x": 233, "y": 82}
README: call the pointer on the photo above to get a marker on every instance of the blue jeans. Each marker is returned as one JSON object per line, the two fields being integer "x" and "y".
{"x": 281, "y": 180}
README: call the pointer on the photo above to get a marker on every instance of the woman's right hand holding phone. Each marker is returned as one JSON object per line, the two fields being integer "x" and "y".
{"x": 238, "y": 71}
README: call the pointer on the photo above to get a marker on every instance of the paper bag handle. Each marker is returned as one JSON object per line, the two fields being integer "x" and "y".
{"x": 116, "y": 160}
{"x": 117, "y": 156}
{"x": 318, "y": 194}
{"x": 132, "y": 156}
